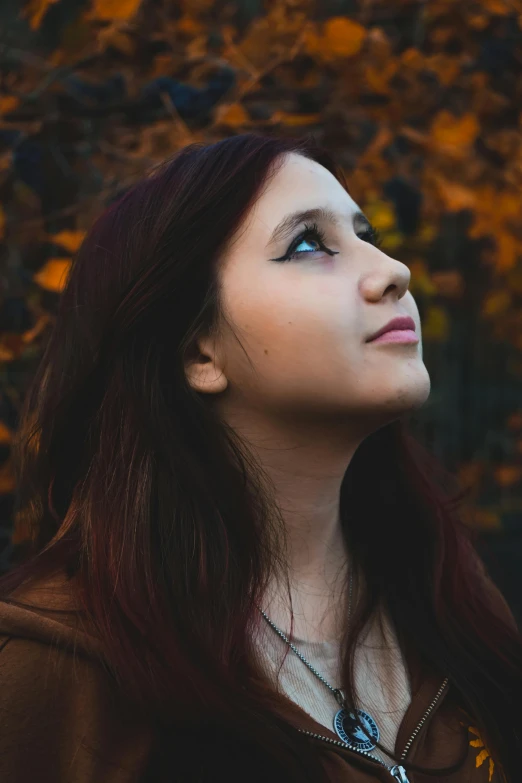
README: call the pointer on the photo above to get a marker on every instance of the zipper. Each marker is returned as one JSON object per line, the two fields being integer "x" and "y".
{"x": 423, "y": 719}
{"x": 397, "y": 771}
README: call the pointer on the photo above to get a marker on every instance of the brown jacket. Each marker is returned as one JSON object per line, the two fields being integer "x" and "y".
{"x": 62, "y": 720}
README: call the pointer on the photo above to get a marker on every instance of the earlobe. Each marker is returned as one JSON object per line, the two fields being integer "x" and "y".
{"x": 204, "y": 371}
{"x": 205, "y": 377}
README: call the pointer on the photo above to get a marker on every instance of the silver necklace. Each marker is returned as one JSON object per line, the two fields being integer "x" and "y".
{"x": 354, "y": 727}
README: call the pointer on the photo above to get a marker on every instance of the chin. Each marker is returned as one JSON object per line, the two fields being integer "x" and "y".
{"x": 405, "y": 396}
{"x": 411, "y": 396}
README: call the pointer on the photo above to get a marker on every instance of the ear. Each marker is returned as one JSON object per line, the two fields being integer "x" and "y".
{"x": 204, "y": 370}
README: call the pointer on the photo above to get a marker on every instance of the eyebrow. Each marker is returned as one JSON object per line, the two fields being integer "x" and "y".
{"x": 294, "y": 219}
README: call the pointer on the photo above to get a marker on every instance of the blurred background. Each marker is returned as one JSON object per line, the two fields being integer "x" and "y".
{"x": 420, "y": 102}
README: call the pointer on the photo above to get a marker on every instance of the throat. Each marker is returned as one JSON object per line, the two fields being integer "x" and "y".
{"x": 313, "y": 612}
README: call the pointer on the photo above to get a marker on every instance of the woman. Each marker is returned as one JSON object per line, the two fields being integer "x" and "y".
{"x": 214, "y": 466}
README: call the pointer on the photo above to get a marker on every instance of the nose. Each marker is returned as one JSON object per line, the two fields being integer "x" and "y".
{"x": 384, "y": 276}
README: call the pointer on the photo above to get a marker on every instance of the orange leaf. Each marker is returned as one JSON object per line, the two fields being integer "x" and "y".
{"x": 454, "y": 195}
{"x": 70, "y": 240}
{"x": 6, "y": 435}
{"x": 7, "y": 479}
{"x": 508, "y": 475}
{"x": 233, "y": 114}
{"x": 450, "y": 131}
{"x": 35, "y": 11}
{"x": 189, "y": 25}
{"x": 378, "y": 78}
{"x": 515, "y": 421}
{"x": 116, "y": 38}
{"x": 413, "y": 58}
{"x": 295, "y": 119}
{"x": 111, "y": 10}
{"x": 343, "y": 37}
{"x": 8, "y": 103}
{"x": 508, "y": 250}
{"x": 479, "y": 20}
{"x": 52, "y": 276}
{"x": 450, "y": 283}
{"x": 483, "y": 519}
{"x": 497, "y": 7}
{"x": 446, "y": 68}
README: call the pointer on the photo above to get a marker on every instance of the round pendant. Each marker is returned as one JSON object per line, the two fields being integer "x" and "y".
{"x": 357, "y": 729}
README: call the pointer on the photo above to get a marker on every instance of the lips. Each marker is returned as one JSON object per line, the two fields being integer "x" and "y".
{"x": 402, "y": 323}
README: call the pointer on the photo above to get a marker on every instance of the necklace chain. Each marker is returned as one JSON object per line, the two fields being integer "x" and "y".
{"x": 336, "y": 691}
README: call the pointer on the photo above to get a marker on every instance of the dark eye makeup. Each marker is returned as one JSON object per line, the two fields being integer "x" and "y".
{"x": 315, "y": 234}
{"x": 371, "y": 235}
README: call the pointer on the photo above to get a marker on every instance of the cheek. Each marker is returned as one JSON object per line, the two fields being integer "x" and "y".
{"x": 298, "y": 337}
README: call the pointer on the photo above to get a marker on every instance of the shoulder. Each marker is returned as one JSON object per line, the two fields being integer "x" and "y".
{"x": 60, "y": 709}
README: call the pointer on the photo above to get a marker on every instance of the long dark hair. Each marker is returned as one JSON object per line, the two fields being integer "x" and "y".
{"x": 127, "y": 479}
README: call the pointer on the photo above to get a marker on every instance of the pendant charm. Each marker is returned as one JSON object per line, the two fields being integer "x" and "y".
{"x": 357, "y": 729}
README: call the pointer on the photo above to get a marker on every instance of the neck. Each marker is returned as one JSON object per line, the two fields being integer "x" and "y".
{"x": 306, "y": 466}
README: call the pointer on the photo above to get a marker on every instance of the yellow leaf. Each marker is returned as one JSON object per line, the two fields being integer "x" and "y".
{"x": 391, "y": 240}
{"x": 496, "y": 302}
{"x": 343, "y": 37}
{"x": 53, "y": 275}
{"x": 111, "y": 10}
{"x": 421, "y": 282}
{"x": 233, "y": 114}
{"x": 458, "y": 132}
{"x": 427, "y": 233}
{"x": 381, "y": 215}
{"x": 8, "y": 103}
{"x": 481, "y": 758}
{"x": 35, "y": 11}
{"x": 70, "y": 240}
{"x": 435, "y": 327}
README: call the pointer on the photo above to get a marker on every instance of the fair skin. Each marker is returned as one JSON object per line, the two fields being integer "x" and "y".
{"x": 311, "y": 388}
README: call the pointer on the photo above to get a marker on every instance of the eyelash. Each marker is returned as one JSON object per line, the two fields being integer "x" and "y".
{"x": 313, "y": 231}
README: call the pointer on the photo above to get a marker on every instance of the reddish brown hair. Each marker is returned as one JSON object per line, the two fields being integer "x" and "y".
{"x": 127, "y": 479}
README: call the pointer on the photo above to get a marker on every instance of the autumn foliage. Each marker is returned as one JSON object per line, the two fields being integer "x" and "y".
{"x": 419, "y": 101}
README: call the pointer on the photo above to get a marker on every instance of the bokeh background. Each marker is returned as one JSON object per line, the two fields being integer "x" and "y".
{"x": 421, "y": 102}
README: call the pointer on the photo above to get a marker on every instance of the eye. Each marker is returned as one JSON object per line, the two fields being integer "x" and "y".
{"x": 310, "y": 241}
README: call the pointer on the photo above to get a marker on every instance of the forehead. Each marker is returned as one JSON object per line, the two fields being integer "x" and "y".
{"x": 299, "y": 184}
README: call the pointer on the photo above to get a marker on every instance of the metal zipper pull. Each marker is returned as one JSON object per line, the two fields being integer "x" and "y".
{"x": 399, "y": 773}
